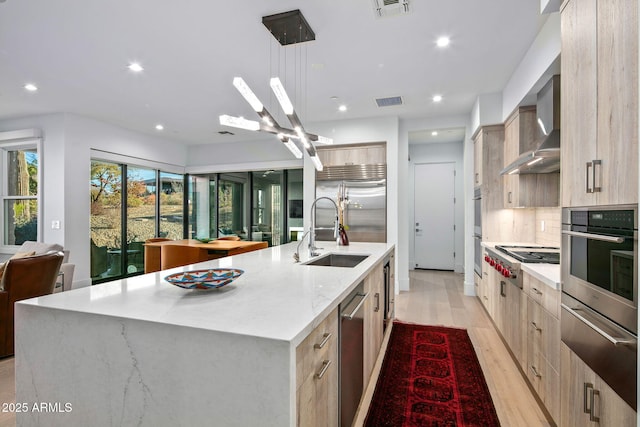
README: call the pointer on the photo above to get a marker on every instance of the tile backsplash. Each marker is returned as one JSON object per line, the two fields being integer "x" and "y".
{"x": 550, "y": 219}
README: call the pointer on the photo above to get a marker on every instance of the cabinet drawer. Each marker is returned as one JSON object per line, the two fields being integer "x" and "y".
{"x": 320, "y": 345}
{"x": 546, "y": 382}
{"x": 542, "y": 294}
{"x": 543, "y": 333}
{"x": 317, "y": 376}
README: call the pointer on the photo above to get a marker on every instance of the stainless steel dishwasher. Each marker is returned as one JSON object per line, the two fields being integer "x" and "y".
{"x": 351, "y": 353}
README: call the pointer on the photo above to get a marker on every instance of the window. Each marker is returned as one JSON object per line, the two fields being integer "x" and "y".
{"x": 223, "y": 204}
{"x": 20, "y": 191}
{"x": 121, "y": 221}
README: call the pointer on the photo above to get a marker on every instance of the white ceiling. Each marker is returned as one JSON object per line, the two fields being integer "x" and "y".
{"x": 77, "y": 51}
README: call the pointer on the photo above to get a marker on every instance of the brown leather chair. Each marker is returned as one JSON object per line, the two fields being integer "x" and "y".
{"x": 234, "y": 238}
{"x": 175, "y": 256}
{"x": 24, "y": 278}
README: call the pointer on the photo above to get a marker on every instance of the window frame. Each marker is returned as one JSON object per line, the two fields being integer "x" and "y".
{"x": 15, "y": 145}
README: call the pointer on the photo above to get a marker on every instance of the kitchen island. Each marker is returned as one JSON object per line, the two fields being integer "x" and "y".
{"x": 141, "y": 351}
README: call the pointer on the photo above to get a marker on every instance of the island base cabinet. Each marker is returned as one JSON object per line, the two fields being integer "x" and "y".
{"x": 317, "y": 376}
{"x": 586, "y": 400}
{"x": 373, "y": 319}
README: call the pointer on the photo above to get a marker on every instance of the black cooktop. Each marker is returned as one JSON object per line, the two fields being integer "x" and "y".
{"x": 532, "y": 254}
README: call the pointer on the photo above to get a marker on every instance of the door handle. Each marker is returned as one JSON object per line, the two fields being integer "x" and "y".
{"x": 590, "y": 323}
{"x": 601, "y": 237}
{"x": 596, "y": 163}
{"x": 589, "y": 165}
{"x": 502, "y": 292}
{"x": 586, "y": 388}
{"x": 377, "y": 296}
{"x": 592, "y": 415}
{"x": 351, "y": 315}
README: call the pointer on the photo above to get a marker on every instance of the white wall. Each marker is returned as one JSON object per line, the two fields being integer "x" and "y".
{"x": 440, "y": 153}
{"x": 66, "y": 162}
{"x": 538, "y": 65}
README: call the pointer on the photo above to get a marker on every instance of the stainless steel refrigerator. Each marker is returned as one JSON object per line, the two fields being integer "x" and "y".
{"x": 363, "y": 191}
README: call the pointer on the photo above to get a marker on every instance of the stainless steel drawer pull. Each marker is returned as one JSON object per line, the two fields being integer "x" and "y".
{"x": 585, "y": 392}
{"x": 596, "y": 189}
{"x": 535, "y": 372}
{"x": 377, "y": 295}
{"x": 323, "y": 370}
{"x": 350, "y": 316}
{"x": 592, "y": 415}
{"x": 588, "y": 189}
{"x": 325, "y": 340}
{"x": 589, "y": 323}
{"x": 535, "y": 327}
{"x": 536, "y": 291}
{"x": 601, "y": 237}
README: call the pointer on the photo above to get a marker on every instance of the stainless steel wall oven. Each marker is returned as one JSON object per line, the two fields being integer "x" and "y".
{"x": 477, "y": 231}
{"x": 600, "y": 292}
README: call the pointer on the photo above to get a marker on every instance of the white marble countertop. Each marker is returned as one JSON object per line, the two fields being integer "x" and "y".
{"x": 275, "y": 298}
{"x": 549, "y": 274}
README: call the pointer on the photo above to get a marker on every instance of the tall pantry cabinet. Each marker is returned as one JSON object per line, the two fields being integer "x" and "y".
{"x": 599, "y": 148}
{"x": 599, "y": 159}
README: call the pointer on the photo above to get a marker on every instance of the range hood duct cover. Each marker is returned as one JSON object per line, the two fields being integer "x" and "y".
{"x": 545, "y": 158}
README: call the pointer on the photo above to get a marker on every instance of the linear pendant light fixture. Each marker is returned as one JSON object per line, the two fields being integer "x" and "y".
{"x": 294, "y": 24}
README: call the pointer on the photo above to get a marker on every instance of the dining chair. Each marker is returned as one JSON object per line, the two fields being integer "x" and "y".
{"x": 177, "y": 255}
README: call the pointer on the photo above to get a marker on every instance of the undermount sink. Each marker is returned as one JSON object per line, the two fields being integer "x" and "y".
{"x": 337, "y": 260}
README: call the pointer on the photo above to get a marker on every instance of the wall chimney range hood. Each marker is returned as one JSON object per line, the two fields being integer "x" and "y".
{"x": 546, "y": 157}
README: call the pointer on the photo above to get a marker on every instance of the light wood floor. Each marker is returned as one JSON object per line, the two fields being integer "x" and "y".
{"x": 436, "y": 298}
{"x": 7, "y": 391}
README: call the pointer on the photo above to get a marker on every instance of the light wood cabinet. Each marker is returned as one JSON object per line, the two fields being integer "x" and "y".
{"x": 512, "y": 320}
{"x": 599, "y": 99}
{"x": 542, "y": 348}
{"x": 586, "y": 400}
{"x": 490, "y": 140}
{"x": 373, "y": 318}
{"x": 317, "y": 375}
{"x": 526, "y": 190}
{"x": 353, "y": 154}
{"x": 487, "y": 289}
{"x": 477, "y": 160}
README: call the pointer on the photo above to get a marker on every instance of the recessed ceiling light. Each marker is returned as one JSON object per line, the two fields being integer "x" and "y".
{"x": 31, "y": 87}
{"x": 135, "y": 67}
{"x": 434, "y": 133}
{"x": 159, "y": 127}
{"x": 342, "y": 108}
{"x": 443, "y": 41}
{"x": 437, "y": 98}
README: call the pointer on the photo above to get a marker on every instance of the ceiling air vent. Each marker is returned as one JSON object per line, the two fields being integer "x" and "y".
{"x": 389, "y": 102}
{"x": 383, "y": 8}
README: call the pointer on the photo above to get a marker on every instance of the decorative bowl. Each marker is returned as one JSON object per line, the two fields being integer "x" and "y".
{"x": 203, "y": 239}
{"x": 212, "y": 278}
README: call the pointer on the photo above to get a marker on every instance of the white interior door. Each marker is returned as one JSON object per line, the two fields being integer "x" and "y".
{"x": 434, "y": 197}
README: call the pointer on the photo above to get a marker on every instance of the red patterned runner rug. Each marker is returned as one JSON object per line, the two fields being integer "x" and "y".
{"x": 430, "y": 377}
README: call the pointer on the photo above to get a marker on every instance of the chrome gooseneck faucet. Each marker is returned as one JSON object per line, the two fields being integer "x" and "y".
{"x": 312, "y": 231}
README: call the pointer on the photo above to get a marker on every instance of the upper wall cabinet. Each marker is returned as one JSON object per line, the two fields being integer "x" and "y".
{"x": 599, "y": 149}
{"x": 361, "y": 154}
{"x": 526, "y": 190}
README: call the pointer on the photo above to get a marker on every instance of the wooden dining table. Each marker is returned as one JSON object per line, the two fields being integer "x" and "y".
{"x": 195, "y": 251}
